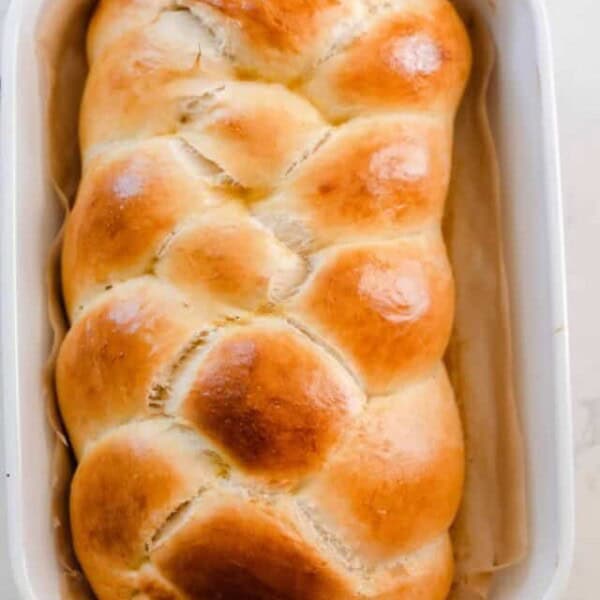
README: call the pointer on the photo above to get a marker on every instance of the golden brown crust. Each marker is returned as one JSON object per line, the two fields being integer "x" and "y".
{"x": 275, "y": 40}
{"x": 396, "y": 481}
{"x": 386, "y": 175}
{"x": 114, "y": 355}
{"x": 124, "y": 493}
{"x": 272, "y": 400}
{"x": 373, "y": 177}
{"x": 114, "y": 18}
{"x": 253, "y": 132}
{"x": 228, "y": 263}
{"x": 126, "y": 207}
{"x": 425, "y": 574}
{"x": 260, "y": 300}
{"x": 152, "y": 586}
{"x": 387, "y": 307}
{"x": 417, "y": 60}
{"x": 284, "y": 24}
{"x": 140, "y": 86}
{"x": 246, "y": 549}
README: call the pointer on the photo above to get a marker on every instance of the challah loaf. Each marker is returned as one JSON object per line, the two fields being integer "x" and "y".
{"x": 260, "y": 300}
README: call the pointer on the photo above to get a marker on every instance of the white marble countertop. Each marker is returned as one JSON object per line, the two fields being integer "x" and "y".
{"x": 577, "y": 48}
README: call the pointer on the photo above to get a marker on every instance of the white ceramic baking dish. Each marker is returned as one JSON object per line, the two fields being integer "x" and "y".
{"x": 523, "y": 115}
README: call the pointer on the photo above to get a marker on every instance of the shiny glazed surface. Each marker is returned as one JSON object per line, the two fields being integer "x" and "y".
{"x": 260, "y": 301}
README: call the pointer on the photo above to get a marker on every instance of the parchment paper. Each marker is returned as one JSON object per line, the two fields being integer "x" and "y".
{"x": 490, "y": 532}
{"x": 63, "y": 69}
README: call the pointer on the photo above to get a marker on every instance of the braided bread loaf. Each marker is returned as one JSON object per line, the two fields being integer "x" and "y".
{"x": 260, "y": 301}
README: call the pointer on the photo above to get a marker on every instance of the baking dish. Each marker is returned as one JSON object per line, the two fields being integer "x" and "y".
{"x": 523, "y": 118}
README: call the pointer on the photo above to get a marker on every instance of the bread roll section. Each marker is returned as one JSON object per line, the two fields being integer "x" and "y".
{"x": 260, "y": 300}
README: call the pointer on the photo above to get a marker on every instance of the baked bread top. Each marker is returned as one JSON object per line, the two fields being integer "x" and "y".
{"x": 260, "y": 301}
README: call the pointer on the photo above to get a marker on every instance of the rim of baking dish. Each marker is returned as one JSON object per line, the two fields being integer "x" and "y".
{"x": 8, "y": 315}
